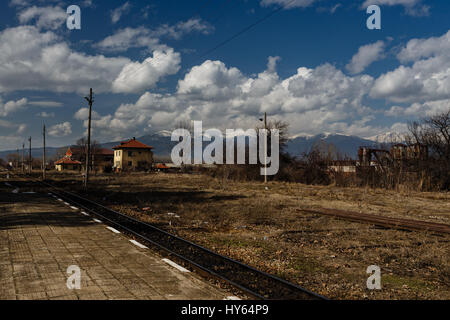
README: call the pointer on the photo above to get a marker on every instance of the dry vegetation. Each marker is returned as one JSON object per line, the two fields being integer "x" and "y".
{"x": 268, "y": 229}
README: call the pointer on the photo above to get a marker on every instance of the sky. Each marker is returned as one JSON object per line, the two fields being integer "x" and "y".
{"x": 153, "y": 64}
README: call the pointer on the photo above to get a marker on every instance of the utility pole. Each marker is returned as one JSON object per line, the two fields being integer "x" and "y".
{"x": 44, "y": 167}
{"x": 88, "y": 154}
{"x": 265, "y": 146}
{"x": 30, "y": 168}
{"x": 23, "y": 157}
{"x": 17, "y": 160}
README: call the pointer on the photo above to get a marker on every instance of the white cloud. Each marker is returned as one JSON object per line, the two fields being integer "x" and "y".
{"x": 117, "y": 13}
{"x": 60, "y": 130}
{"x": 417, "y": 49}
{"x": 34, "y": 60}
{"x": 312, "y": 100}
{"x": 21, "y": 129}
{"x": 412, "y": 7}
{"x": 365, "y": 56}
{"x": 142, "y": 37}
{"x": 46, "y": 104}
{"x": 12, "y": 106}
{"x": 211, "y": 80}
{"x": 427, "y": 79}
{"x": 45, "y": 17}
{"x": 288, "y": 3}
{"x": 44, "y": 114}
{"x": 83, "y": 114}
{"x": 136, "y": 77}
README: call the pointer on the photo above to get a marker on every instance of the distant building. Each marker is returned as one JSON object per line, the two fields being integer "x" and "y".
{"x": 67, "y": 164}
{"x": 101, "y": 159}
{"x": 133, "y": 155}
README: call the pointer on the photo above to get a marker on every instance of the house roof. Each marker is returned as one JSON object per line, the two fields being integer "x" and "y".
{"x": 132, "y": 144}
{"x": 67, "y": 161}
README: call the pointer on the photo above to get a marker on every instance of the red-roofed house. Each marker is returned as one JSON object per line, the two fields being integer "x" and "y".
{"x": 101, "y": 159}
{"x": 133, "y": 155}
{"x": 67, "y": 164}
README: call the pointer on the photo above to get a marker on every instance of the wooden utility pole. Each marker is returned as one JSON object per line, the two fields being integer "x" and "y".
{"x": 23, "y": 157}
{"x": 88, "y": 154}
{"x": 17, "y": 160}
{"x": 44, "y": 167}
{"x": 265, "y": 148}
{"x": 30, "y": 168}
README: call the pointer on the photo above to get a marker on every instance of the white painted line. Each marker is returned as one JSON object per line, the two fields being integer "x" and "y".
{"x": 74, "y": 208}
{"x": 140, "y": 245}
{"x": 112, "y": 229}
{"x": 66, "y": 204}
{"x": 98, "y": 221}
{"x": 82, "y": 212}
{"x": 50, "y": 194}
{"x": 176, "y": 266}
{"x": 60, "y": 200}
{"x": 231, "y": 298}
{"x": 7, "y": 184}
{"x": 15, "y": 191}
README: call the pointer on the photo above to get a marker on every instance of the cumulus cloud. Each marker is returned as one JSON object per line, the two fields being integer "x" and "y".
{"x": 45, "y": 17}
{"x": 427, "y": 79}
{"x": 312, "y": 100}
{"x": 83, "y": 114}
{"x": 11, "y": 106}
{"x": 35, "y": 60}
{"x": 365, "y": 56}
{"x": 60, "y": 130}
{"x": 417, "y": 49}
{"x": 136, "y": 77}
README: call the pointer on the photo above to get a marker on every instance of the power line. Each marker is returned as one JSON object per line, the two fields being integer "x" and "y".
{"x": 244, "y": 30}
{"x": 236, "y": 35}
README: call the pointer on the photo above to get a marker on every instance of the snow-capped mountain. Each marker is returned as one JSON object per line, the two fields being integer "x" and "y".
{"x": 347, "y": 146}
{"x": 388, "y": 137}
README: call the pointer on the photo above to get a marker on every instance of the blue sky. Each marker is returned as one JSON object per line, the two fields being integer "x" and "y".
{"x": 313, "y": 64}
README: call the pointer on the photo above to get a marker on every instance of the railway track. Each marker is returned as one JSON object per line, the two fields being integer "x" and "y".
{"x": 387, "y": 222}
{"x": 253, "y": 282}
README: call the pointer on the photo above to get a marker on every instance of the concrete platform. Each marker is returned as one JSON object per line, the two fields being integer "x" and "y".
{"x": 41, "y": 237}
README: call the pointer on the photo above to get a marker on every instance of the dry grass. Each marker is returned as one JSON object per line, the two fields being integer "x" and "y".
{"x": 268, "y": 230}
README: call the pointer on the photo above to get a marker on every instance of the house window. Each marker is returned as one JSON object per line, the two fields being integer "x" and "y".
{"x": 130, "y": 163}
{"x": 130, "y": 153}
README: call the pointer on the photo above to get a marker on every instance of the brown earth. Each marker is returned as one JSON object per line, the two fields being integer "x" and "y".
{"x": 268, "y": 229}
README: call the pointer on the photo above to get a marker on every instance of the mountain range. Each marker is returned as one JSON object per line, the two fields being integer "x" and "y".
{"x": 346, "y": 146}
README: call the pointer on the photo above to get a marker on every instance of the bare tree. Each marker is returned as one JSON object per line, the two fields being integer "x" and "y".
{"x": 433, "y": 132}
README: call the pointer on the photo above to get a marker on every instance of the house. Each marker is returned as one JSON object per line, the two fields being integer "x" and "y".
{"x": 68, "y": 164}
{"x": 101, "y": 159}
{"x": 133, "y": 155}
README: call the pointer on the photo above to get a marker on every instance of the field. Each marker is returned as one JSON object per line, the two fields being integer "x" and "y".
{"x": 266, "y": 228}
